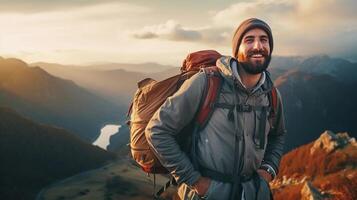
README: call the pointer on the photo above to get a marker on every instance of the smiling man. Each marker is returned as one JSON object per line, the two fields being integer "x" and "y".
{"x": 238, "y": 151}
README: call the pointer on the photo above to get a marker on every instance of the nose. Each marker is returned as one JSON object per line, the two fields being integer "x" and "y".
{"x": 257, "y": 44}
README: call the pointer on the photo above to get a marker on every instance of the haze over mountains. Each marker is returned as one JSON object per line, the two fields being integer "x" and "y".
{"x": 147, "y": 68}
{"x": 116, "y": 82}
{"x": 316, "y": 65}
{"x": 51, "y": 100}
{"x": 317, "y": 91}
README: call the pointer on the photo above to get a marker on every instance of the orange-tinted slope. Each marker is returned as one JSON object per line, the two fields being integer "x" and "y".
{"x": 325, "y": 168}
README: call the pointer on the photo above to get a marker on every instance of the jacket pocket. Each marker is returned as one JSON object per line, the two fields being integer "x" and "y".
{"x": 261, "y": 128}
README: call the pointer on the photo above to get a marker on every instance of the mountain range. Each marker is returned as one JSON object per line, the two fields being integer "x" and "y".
{"x": 35, "y": 93}
{"x": 115, "y": 82}
{"x": 33, "y": 155}
{"x": 315, "y": 99}
{"x": 317, "y": 92}
{"x": 149, "y": 67}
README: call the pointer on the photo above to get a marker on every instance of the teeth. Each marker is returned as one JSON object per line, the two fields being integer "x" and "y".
{"x": 257, "y": 55}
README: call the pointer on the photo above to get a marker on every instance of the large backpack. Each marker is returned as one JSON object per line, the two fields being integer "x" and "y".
{"x": 151, "y": 94}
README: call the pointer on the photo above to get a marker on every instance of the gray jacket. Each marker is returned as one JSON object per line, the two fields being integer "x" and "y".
{"x": 217, "y": 142}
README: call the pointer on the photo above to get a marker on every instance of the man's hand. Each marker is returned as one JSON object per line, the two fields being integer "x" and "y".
{"x": 264, "y": 174}
{"x": 201, "y": 186}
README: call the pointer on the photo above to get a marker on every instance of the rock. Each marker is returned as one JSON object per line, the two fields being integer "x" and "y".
{"x": 353, "y": 142}
{"x": 309, "y": 192}
{"x": 328, "y": 141}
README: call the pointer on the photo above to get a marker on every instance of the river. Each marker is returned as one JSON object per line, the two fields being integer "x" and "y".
{"x": 105, "y": 133}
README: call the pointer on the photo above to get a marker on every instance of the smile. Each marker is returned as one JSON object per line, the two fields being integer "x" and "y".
{"x": 257, "y": 56}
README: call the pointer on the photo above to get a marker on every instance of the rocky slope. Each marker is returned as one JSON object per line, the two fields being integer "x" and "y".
{"x": 323, "y": 169}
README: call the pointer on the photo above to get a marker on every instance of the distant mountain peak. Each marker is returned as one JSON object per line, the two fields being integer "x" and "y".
{"x": 329, "y": 141}
{"x": 12, "y": 63}
{"x": 37, "y": 94}
{"x": 15, "y": 60}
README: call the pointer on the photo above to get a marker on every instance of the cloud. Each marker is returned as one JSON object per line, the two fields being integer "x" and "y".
{"x": 238, "y": 12}
{"x": 35, "y": 6}
{"x": 299, "y": 26}
{"x": 120, "y": 30}
{"x": 145, "y": 35}
{"x": 296, "y": 23}
{"x": 173, "y": 31}
{"x": 286, "y": 11}
{"x": 170, "y": 30}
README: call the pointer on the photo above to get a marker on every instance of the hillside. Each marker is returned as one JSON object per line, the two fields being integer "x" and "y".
{"x": 313, "y": 103}
{"x": 323, "y": 169}
{"x": 47, "y": 99}
{"x": 34, "y": 155}
{"x": 117, "y": 180}
{"x": 335, "y": 67}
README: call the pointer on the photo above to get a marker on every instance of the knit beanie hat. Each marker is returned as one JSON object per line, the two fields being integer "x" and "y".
{"x": 244, "y": 27}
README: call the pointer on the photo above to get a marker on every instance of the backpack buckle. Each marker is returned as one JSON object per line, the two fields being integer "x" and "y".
{"x": 244, "y": 108}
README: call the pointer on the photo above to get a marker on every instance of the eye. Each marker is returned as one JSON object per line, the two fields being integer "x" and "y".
{"x": 264, "y": 40}
{"x": 249, "y": 40}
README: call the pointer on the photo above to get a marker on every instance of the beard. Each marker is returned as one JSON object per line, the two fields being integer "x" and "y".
{"x": 255, "y": 67}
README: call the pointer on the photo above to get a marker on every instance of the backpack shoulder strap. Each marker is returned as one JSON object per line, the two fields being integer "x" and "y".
{"x": 274, "y": 99}
{"x": 210, "y": 96}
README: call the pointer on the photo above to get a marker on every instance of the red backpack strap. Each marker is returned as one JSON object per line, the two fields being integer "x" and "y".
{"x": 274, "y": 99}
{"x": 211, "y": 94}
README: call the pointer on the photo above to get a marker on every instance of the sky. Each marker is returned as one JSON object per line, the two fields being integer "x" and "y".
{"x": 136, "y": 31}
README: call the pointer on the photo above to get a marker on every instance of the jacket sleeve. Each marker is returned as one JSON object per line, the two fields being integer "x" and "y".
{"x": 177, "y": 112}
{"x": 276, "y": 139}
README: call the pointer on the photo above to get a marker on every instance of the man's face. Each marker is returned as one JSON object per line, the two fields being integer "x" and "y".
{"x": 254, "y": 51}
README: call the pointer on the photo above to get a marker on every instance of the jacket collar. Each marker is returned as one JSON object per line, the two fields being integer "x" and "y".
{"x": 227, "y": 66}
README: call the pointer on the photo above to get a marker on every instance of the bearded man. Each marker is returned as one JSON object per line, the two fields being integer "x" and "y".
{"x": 239, "y": 149}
